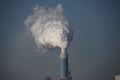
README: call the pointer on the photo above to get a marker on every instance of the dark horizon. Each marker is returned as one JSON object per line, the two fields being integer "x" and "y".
{"x": 94, "y": 53}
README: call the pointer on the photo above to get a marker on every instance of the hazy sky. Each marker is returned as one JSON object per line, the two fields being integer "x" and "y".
{"x": 94, "y": 53}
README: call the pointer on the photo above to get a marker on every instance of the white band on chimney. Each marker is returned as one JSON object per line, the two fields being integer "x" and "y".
{"x": 63, "y": 53}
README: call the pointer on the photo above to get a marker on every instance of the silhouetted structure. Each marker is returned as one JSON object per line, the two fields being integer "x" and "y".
{"x": 48, "y": 78}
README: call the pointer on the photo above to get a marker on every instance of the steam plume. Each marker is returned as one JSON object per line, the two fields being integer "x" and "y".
{"x": 49, "y": 27}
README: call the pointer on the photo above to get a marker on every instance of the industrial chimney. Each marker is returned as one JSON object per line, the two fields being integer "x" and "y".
{"x": 64, "y": 74}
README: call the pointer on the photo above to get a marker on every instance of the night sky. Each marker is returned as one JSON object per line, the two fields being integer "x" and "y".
{"x": 94, "y": 53}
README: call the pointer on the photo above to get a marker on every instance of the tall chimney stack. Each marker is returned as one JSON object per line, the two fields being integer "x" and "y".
{"x": 63, "y": 64}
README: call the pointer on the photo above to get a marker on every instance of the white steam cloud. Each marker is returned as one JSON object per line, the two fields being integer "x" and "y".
{"x": 49, "y": 27}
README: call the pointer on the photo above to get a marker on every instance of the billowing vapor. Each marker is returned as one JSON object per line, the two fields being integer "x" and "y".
{"x": 49, "y": 27}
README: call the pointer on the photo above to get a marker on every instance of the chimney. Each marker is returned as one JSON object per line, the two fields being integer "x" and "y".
{"x": 63, "y": 64}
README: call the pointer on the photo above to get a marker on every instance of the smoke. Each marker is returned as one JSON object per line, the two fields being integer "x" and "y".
{"x": 49, "y": 27}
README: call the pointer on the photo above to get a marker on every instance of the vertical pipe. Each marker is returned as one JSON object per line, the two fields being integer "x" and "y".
{"x": 63, "y": 64}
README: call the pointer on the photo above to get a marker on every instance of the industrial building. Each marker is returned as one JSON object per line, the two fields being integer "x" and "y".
{"x": 117, "y": 77}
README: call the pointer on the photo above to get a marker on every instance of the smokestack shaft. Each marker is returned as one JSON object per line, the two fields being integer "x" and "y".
{"x": 63, "y": 64}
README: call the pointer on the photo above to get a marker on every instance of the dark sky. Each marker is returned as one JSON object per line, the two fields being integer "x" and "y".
{"x": 94, "y": 53}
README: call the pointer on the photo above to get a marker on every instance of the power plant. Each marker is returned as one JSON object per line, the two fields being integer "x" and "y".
{"x": 51, "y": 29}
